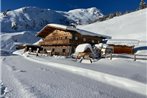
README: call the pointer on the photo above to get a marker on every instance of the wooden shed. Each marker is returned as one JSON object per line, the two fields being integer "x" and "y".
{"x": 123, "y": 45}
{"x": 62, "y": 40}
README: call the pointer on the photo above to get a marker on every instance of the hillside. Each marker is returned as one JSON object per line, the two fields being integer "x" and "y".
{"x": 32, "y": 18}
{"x": 128, "y": 26}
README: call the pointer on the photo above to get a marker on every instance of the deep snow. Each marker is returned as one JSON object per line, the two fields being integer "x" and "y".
{"x": 27, "y": 79}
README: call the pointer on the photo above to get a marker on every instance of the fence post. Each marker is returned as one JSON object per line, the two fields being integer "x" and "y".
{"x": 110, "y": 56}
{"x": 134, "y": 57}
{"x": 30, "y": 50}
{"x": 37, "y": 51}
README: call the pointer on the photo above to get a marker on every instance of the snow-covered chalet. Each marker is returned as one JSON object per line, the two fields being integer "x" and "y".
{"x": 62, "y": 40}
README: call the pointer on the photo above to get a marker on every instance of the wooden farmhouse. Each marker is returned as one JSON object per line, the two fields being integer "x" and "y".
{"x": 62, "y": 40}
{"x": 123, "y": 45}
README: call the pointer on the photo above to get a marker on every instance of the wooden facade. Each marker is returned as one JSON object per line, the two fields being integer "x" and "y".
{"x": 120, "y": 49}
{"x": 125, "y": 46}
{"x": 62, "y": 41}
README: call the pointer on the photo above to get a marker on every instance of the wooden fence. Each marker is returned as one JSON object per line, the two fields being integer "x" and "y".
{"x": 135, "y": 57}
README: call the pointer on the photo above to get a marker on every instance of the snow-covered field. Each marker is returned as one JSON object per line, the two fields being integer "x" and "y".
{"x": 59, "y": 77}
{"x": 43, "y": 77}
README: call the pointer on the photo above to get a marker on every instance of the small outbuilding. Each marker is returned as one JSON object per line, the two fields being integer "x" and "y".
{"x": 84, "y": 51}
{"x": 125, "y": 46}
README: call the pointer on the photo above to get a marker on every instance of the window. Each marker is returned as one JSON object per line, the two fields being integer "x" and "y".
{"x": 92, "y": 41}
{"x": 53, "y": 50}
{"x": 76, "y": 38}
{"x": 65, "y": 37}
{"x": 63, "y": 50}
{"x": 84, "y": 39}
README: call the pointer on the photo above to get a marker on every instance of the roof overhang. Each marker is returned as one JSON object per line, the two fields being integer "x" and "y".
{"x": 50, "y": 27}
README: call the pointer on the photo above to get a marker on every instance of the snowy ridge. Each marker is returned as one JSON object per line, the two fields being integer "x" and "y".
{"x": 84, "y": 16}
{"x": 116, "y": 81}
{"x": 128, "y": 26}
{"x": 32, "y": 18}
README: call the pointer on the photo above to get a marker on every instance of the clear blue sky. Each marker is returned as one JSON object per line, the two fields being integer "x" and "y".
{"x": 106, "y": 6}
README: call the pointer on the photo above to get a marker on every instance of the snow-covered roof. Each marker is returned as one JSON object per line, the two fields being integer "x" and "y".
{"x": 84, "y": 32}
{"x": 71, "y": 28}
{"x": 57, "y": 26}
{"x": 127, "y": 42}
{"x": 83, "y": 47}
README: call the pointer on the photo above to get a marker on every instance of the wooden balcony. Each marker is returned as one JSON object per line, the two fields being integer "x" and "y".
{"x": 55, "y": 42}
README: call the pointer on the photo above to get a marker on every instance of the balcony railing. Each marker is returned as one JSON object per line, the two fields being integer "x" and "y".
{"x": 54, "y": 42}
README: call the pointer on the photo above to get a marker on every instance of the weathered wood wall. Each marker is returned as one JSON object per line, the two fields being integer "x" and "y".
{"x": 123, "y": 49}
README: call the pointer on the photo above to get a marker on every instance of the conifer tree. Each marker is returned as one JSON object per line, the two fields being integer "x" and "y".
{"x": 142, "y": 5}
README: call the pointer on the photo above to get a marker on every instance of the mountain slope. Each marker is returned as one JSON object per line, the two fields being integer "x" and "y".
{"x": 129, "y": 26}
{"x": 84, "y": 16}
{"x": 32, "y": 18}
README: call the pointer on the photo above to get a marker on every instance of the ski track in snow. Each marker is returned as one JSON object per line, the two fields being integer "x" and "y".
{"x": 19, "y": 87}
{"x": 116, "y": 81}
